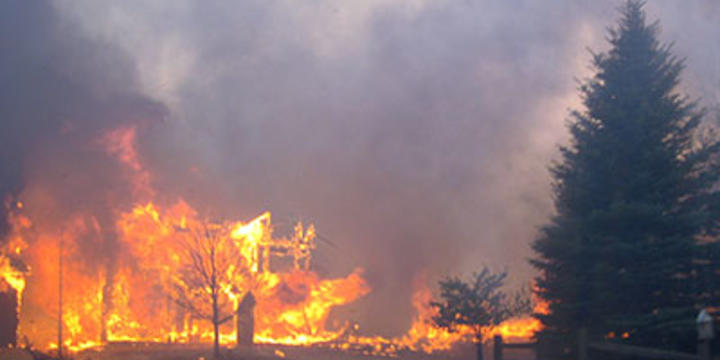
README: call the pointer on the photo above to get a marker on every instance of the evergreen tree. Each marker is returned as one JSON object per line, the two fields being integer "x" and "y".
{"x": 634, "y": 197}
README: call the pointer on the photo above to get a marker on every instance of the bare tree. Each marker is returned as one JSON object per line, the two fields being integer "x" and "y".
{"x": 213, "y": 266}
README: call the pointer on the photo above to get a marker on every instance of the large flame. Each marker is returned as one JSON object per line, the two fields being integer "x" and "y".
{"x": 142, "y": 283}
{"x": 137, "y": 302}
{"x": 150, "y": 283}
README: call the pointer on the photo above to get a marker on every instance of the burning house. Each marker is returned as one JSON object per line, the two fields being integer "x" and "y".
{"x": 179, "y": 278}
{"x": 152, "y": 157}
{"x": 149, "y": 270}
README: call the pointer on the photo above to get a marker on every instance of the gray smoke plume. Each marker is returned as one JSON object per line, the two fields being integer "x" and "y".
{"x": 414, "y": 134}
{"x": 60, "y": 90}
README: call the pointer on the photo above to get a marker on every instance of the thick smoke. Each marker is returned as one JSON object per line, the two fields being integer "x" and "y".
{"x": 61, "y": 91}
{"x": 415, "y": 134}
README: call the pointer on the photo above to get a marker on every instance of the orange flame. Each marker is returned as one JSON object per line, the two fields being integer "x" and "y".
{"x": 425, "y": 336}
{"x": 135, "y": 302}
{"x": 141, "y": 287}
{"x": 11, "y": 277}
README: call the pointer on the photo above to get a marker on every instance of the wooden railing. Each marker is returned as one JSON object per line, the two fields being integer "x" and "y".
{"x": 638, "y": 351}
{"x": 499, "y": 346}
{"x": 607, "y": 347}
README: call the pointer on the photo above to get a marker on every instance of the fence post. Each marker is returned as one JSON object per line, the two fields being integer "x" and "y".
{"x": 582, "y": 343}
{"x": 498, "y": 347}
{"x": 706, "y": 333}
{"x": 703, "y": 350}
{"x": 479, "y": 349}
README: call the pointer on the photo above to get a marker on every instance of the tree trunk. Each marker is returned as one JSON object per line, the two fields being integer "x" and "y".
{"x": 216, "y": 345}
{"x": 215, "y": 291}
{"x": 216, "y": 327}
{"x": 479, "y": 345}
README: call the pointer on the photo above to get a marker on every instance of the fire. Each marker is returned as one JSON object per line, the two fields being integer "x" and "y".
{"x": 522, "y": 328}
{"x": 140, "y": 279}
{"x": 11, "y": 276}
{"x": 525, "y": 327}
{"x": 121, "y": 144}
{"x": 425, "y": 336}
{"x": 154, "y": 271}
{"x": 12, "y": 270}
{"x": 136, "y": 300}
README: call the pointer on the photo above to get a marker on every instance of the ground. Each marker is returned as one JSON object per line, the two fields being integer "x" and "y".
{"x": 261, "y": 352}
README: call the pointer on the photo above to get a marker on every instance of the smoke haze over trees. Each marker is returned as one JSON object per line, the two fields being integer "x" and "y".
{"x": 415, "y": 134}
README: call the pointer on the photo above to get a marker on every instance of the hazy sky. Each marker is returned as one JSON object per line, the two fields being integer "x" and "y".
{"x": 415, "y": 134}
